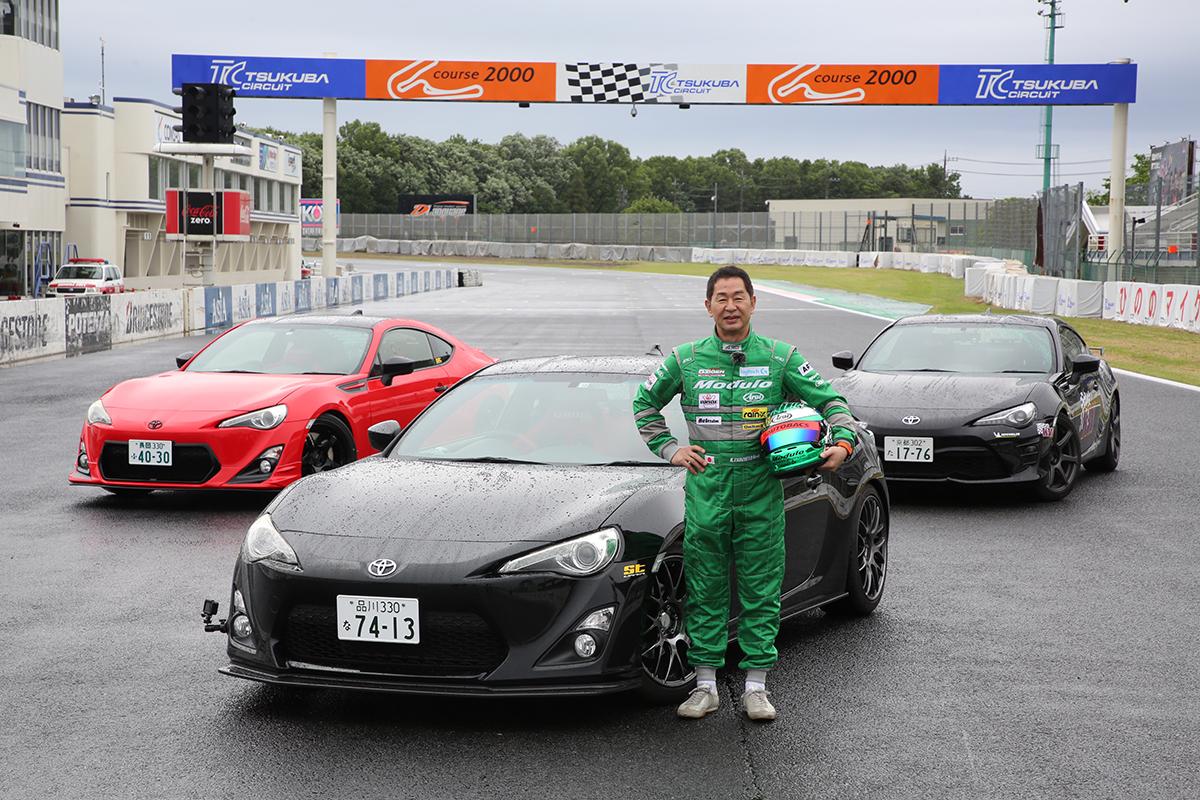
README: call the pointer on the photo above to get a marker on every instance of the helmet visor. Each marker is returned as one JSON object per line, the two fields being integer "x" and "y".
{"x": 797, "y": 435}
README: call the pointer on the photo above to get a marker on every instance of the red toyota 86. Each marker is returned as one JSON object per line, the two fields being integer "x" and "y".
{"x": 268, "y": 402}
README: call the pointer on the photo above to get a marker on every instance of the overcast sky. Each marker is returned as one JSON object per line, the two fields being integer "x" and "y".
{"x": 1159, "y": 35}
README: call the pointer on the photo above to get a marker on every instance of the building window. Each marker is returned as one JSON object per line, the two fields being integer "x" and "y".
{"x": 260, "y": 194}
{"x": 155, "y": 180}
{"x": 43, "y": 142}
{"x": 958, "y": 230}
{"x": 8, "y": 24}
{"x": 12, "y": 149}
{"x": 194, "y": 176}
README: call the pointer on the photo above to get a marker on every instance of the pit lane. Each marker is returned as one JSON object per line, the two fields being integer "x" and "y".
{"x": 1020, "y": 650}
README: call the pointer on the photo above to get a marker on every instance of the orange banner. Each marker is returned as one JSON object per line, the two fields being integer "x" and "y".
{"x": 511, "y": 81}
{"x": 842, "y": 84}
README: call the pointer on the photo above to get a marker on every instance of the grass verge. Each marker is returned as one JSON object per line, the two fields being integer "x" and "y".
{"x": 1162, "y": 352}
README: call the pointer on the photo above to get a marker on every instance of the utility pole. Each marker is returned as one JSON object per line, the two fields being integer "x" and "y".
{"x": 1053, "y": 23}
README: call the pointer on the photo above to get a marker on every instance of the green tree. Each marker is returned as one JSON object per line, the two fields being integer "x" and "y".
{"x": 1137, "y": 182}
{"x": 649, "y": 204}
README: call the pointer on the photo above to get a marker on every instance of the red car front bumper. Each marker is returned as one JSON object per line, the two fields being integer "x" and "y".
{"x": 204, "y": 456}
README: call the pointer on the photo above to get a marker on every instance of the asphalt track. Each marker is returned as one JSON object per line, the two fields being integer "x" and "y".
{"x": 1021, "y": 650}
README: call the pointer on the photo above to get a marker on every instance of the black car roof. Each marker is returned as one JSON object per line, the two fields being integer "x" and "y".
{"x": 986, "y": 319}
{"x": 620, "y": 365}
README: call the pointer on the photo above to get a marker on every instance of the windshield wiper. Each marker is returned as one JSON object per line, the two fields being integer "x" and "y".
{"x": 627, "y": 464}
{"x": 1023, "y": 371}
{"x": 930, "y": 369}
{"x": 320, "y": 373}
{"x": 492, "y": 460}
{"x": 236, "y": 371}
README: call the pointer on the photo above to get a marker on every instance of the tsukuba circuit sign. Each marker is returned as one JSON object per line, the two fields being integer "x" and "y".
{"x": 661, "y": 82}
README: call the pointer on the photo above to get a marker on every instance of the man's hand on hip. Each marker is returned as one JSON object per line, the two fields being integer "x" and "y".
{"x": 834, "y": 456}
{"x": 692, "y": 457}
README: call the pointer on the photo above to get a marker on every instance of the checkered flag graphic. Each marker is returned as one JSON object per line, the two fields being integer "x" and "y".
{"x": 607, "y": 83}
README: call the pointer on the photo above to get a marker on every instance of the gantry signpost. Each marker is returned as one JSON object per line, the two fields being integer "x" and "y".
{"x": 660, "y": 83}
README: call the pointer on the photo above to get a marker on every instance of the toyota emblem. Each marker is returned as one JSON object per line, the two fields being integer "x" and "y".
{"x": 911, "y": 420}
{"x": 154, "y": 424}
{"x": 381, "y": 568}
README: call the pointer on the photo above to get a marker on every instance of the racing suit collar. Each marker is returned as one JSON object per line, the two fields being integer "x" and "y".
{"x": 732, "y": 347}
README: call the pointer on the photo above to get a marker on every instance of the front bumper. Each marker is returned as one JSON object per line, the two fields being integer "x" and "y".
{"x": 205, "y": 456}
{"x": 968, "y": 454}
{"x": 480, "y": 635}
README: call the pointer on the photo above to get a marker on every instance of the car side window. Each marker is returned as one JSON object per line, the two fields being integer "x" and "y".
{"x": 442, "y": 350}
{"x": 1072, "y": 345}
{"x": 407, "y": 343}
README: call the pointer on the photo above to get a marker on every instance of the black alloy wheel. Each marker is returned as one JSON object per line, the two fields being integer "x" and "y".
{"x": 866, "y": 572}
{"x": 666, "y": 673}
{"x": 1107, "y": 462}
{"x": 328, "y": 445}
{"x": 1059, "y": 466}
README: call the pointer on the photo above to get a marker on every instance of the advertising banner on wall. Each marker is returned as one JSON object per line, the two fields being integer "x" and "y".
{"x": 291, "y": 163}
{"x": 312, "y": 216}
{"x": 218, "y": 308}
{"x": 1171, "y": 170}
{"x": 225, "y": 214}
{"x": 663, "y": 82}
{"x": 268, "y": 157}
{"x": 436, "y": 205}
{"x": 89, "y": 329}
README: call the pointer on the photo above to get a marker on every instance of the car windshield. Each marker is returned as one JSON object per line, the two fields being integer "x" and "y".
{"x": 281, "y": 349}
{"x": 81, "y": 272}
{"x": 546, "y": 418}
{"x": 986, "y": 348}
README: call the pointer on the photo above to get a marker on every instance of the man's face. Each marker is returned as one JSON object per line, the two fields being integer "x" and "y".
{"x": 730, "y": 306}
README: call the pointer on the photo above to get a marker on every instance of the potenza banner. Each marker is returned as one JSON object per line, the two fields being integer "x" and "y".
{"x": 663, "y": 82}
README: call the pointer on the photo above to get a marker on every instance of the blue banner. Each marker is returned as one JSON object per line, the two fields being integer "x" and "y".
{"x": 1036, "y": 84}
{"x": 415, "y": 285}
{"x": 269, "y": 76}
{"x": 356, "y": 289}
{"x": 428, "y": 282}
{"x": 303, "y": 302}
{"x": 218, "y": 307}
{"x": 401, "y": 284}
{"x": 331, "y": 292}
{"x": 381, "y": 286}
{"x": 264, "y": 300}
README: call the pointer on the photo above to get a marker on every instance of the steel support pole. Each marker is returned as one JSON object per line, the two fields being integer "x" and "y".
{"x": 329, "y": 188}
{"x": 1116, "y": 201}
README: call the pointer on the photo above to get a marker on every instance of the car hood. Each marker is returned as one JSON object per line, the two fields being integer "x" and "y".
{"x": 908, "y": 391}
{"x": 449, "y": 501}
{"x": 206, "y": 391}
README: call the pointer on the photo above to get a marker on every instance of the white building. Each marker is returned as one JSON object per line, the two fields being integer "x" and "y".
{"x": 32, "y": 181}
{"x": 116, "y": 205}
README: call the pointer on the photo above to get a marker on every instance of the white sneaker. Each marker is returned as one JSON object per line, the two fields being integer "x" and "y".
{"x": 757, "y": 706}
{"x": 700, "y": 703}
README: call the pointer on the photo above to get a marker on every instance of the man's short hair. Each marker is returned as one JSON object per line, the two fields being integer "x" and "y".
{"x": 729, "y": 272}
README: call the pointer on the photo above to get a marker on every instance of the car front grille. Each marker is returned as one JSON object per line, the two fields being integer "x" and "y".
{"x": 70, "y": 290}
{"x": 453, "y": 644}
{"x": 192, "y": 463}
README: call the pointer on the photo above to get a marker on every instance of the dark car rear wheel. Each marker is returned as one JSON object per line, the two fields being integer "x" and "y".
{"x": 867, "y": 571}
{"x": 329, "y": 445}
{"x": 1059, "y": 467}
{"x": 1112, "y": 442}
{"x": 667, "y": 675}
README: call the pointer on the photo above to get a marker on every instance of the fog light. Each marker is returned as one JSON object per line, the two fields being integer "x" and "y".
{"x": 240, "y": 625}
{"x": 598, "y": 620}
{"x": 585, "y": 645}
{"x": 83, "y": 462}
{"x": 264, "y": 466}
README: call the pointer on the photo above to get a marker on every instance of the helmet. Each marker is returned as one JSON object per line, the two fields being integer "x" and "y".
{"x": 793, "y": 439}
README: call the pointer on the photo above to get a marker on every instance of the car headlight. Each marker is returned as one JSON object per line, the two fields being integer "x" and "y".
{"x": 1016, "y": 417}
{"x": 264, "y": 542}
{"x": 584, "y": 555}
{"x": 264, "y": 419}
{"x": 97, "y": 415}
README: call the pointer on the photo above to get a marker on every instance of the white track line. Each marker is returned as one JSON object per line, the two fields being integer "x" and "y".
{"x": 1163, "y": 381}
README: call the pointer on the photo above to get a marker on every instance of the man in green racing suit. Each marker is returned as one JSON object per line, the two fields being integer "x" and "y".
{"x": 730, "y": 383}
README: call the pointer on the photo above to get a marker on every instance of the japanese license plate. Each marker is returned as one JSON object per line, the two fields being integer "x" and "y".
{"x": 908, "y": 448}
{"x": 395, "y": 620}
{"x": 150, "y": 452}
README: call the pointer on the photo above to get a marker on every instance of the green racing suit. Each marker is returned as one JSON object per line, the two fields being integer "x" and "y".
{"x": 733, "y": 510}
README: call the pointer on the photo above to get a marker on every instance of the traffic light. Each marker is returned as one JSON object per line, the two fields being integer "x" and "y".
{"x": 207, "y": 113}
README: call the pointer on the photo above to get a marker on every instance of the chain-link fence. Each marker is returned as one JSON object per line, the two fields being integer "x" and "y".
{"x": 1002, "y": 228}
{"x": 1160, "y": 242}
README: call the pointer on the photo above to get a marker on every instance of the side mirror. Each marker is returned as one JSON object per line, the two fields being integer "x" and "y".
{"x": 381, "y": 434}
{"x": 395, "y": 366}
{"x": 1084, "y": 364}
{"x": 183, "y": 358}
{"x": 843, "y": 360}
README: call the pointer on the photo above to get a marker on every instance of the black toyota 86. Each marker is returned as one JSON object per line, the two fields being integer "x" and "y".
{"x": 982, "y": 398}
{"x": 518, "y": 539}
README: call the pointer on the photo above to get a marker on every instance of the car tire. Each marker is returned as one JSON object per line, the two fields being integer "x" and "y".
{"x": 1107, "y": 462}
{"x": 866, "y": 572}
{"x": 667, "y": 676}
{"x": 328, "y": 445}
{"x": 1058, "y": 468}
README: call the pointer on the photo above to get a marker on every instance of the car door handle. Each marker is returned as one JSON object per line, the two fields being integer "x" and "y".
{"x": 440, "y": 388}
